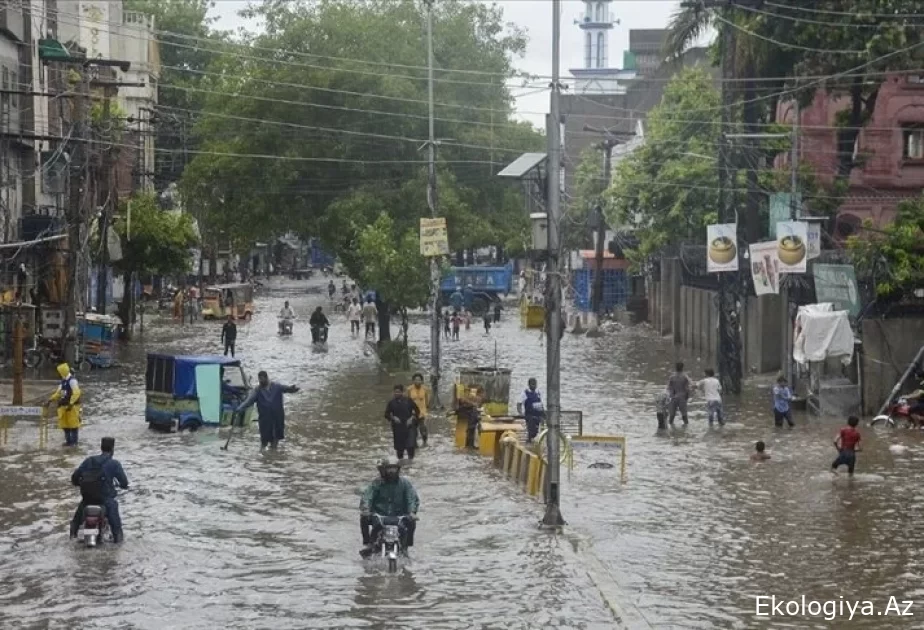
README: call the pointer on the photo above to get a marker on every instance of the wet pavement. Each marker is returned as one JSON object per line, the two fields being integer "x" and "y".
{"x": 239, "y": 539}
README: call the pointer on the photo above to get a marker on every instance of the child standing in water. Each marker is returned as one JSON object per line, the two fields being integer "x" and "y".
{"x": 782, "y": 396}
{"x": 456, "y": 325}
{"x": 712, "y": 392}
{"x": 662, "y": 404}
{"x": 847, "y": 443}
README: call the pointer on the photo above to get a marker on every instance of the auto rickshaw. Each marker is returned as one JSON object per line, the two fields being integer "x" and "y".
{"x": 190, "y": 392}
{"x": 222, "y": 300}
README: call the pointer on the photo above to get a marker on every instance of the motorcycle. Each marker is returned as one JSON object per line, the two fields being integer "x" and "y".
{"x": 94, "y": 526}
{"x": 319, "y": 334}
{"x": 900, "y": 411}
{"x": 42, "y": 351}
{"x": 285, "y": 326}
{"x": 392, "y": 539}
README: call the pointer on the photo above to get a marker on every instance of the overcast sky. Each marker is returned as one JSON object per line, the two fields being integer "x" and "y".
{"x": 535, "y": 16}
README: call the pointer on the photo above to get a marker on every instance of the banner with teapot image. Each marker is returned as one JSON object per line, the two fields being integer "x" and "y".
{"x": 792, "y": 245}
{"x": 722, "y": 247}
{"x": 765, "y": 268}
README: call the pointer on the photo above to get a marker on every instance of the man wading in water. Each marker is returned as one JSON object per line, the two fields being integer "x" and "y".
{"x": 404, "y": 417}
{"x": 272, "y": 420}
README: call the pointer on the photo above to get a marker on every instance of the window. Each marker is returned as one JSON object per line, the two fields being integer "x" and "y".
{"x": 601, "y": 12}
{"x": 587, "y": 53}
{"x": 913, "y": 145}
{"x": 916, "y": 80}
{"x": 14, "y": 85}
{"x": 5, "y": 97}
{"x": 601, "y": 50}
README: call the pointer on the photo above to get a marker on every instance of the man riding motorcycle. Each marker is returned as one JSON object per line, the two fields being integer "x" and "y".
{"x": 389, "y": 495}
{"x": 318, "y": 322}
{"x": 331, "y": 289}
{"x": 96, "y": 477}
{"x": 286, "y": 315}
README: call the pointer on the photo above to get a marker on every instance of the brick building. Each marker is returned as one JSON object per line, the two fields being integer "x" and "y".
{"x": 889, "y": 150}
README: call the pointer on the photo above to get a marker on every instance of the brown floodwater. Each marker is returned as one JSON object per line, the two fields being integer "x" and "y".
{"x": 240, "y": 539}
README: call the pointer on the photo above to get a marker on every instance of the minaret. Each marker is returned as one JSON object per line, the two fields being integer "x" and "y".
{"x": 596, "y": 22}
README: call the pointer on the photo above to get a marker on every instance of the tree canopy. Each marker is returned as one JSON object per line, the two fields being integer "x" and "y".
{"x": 894, "y": 256}
{"x": 302, "y": 123}
{"x": 159, "y": 241}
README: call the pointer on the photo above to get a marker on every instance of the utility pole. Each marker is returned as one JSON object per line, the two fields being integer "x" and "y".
{"x": 432, "y": 202}
{"x": 105, "y": 212}
{"x": 607, "y": 145}
{"x": 74, "y": 214}
{"x": 729, "y": 346}
{"x": 786, "y": 359}
{"x": 553, "y": 518}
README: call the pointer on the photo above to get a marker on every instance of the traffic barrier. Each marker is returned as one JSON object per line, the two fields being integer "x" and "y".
{"x": 520, "y": 464}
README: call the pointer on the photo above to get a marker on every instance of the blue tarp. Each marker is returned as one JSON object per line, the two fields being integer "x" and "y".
{"x": 184, "y": 376}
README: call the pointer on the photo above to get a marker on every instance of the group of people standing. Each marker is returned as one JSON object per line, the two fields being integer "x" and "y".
{"x": 680, "y": 389}
{"x": 359, "y": 314}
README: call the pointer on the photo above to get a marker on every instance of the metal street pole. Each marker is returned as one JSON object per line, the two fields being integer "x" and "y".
{"x": 432, "y": 202}
{"x": 793, "y": 215}
{"x": 729, "y": 341}
{"x": 553, "y": 518}
{"x": 601, "y": 231}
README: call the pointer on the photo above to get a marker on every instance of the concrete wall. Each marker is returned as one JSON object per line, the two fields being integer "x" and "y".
{"x": 690, "y": 315}
{"x": 889, "y": 345}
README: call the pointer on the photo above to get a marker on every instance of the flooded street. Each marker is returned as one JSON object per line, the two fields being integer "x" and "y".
{"x": 239, "y": 539}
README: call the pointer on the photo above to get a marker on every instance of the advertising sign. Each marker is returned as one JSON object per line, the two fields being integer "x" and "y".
{"x": 792, "y": 246}
{"x": 434, "y": 240}
{"x": 837, "y": 284}
{"x": 722, "y": 247}
{"x": 765, "y": 268}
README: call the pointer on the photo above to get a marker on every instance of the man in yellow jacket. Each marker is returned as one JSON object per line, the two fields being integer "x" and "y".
{"x": 68, "y": 398}
{"x": 420, "y": 394}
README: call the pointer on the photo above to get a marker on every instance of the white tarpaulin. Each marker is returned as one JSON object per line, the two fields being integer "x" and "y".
{"x": 822, "y": 332}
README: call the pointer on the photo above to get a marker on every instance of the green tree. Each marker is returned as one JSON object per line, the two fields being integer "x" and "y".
{"x": 345, "y": 125}
{"x": 391, "y": 262}
{"x": 894, "y": 256}
{"x": 667, "y": 188}
{"x": 159, "y": 242}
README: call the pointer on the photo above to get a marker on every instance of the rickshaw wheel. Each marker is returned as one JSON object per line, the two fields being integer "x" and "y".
{"x": 84, "y": 366}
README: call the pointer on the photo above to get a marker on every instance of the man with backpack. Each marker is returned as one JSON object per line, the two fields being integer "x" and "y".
{"x": 96, "y": 477}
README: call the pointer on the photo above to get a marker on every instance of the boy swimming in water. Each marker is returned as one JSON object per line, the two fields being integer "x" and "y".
{"x": 847, "y": 443}
{"x": 760, "y": 454}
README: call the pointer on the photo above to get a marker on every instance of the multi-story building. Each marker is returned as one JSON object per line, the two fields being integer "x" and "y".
{"x": 15, "y": 147}
{"x": 105, "y": 30}
{"x": 888, "y": 153}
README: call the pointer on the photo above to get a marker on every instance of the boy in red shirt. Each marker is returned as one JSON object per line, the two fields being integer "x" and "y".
{"x": 847, "y": 443}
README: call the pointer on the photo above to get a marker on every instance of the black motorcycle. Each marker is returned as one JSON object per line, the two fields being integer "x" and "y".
{"x": 319, "y": 334}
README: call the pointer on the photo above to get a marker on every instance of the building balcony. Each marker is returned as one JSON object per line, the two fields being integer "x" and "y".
{"x": 594, "y": 20}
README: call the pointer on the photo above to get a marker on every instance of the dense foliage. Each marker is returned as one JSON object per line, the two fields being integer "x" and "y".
{"x": 893, "y": 256}
{"x": 303, "y": 131}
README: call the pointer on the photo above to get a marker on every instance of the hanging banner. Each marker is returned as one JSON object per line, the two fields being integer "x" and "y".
{"x": 837, "y": 284}
{"x": 813, "y": 240}
{"x": 722, "y": 247}
{"x": 434, "y": 240}
{"x": 791, "y": 239}
{"x": 765, "y": 268}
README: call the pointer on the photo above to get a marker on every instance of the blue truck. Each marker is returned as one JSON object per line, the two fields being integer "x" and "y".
{"x": 488, "y": 283}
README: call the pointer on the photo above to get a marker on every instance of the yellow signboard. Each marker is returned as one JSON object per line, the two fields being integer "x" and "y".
{"x": 434, "y": 240}
{"x": 609, "y": 442}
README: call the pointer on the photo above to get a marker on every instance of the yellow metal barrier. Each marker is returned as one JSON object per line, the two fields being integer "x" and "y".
{"x": 564, "y": 446}
{"x": 520, "y": 465}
